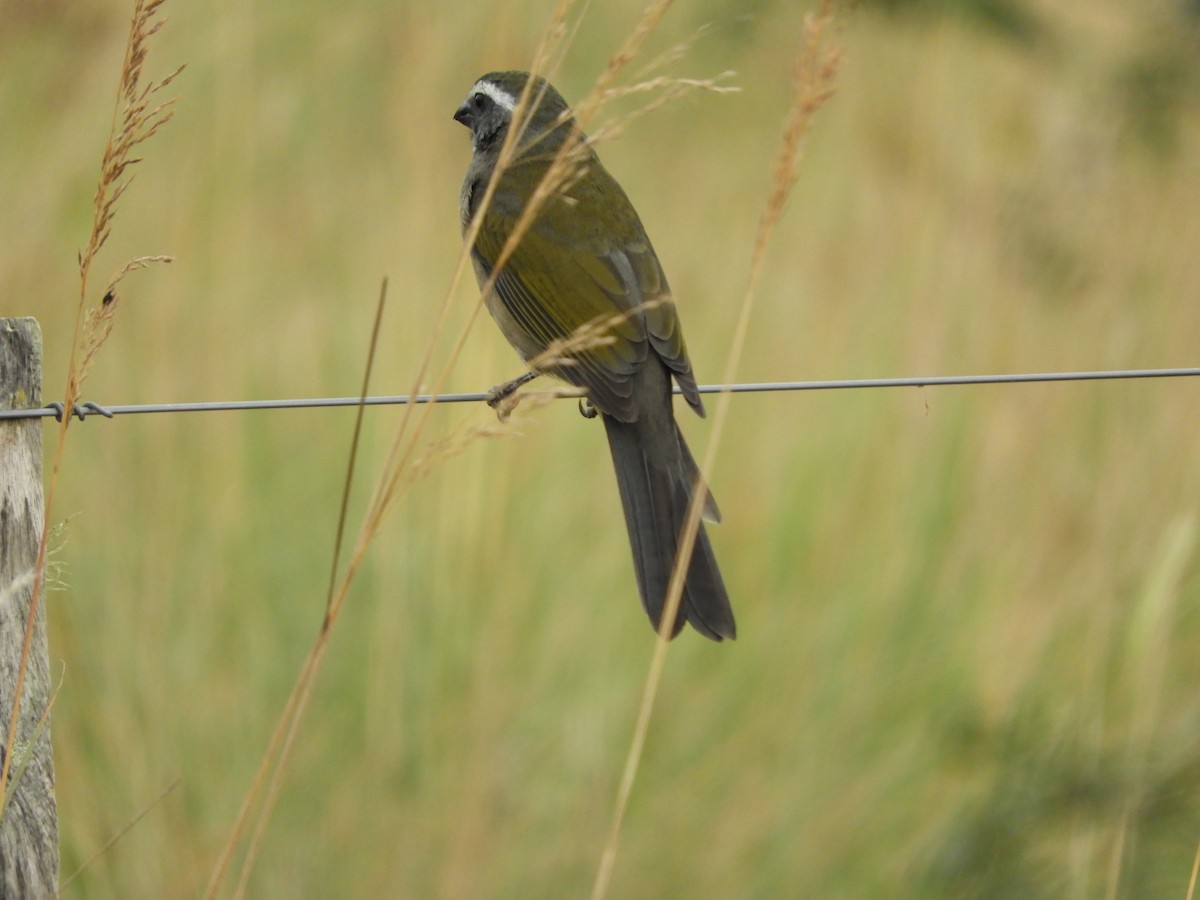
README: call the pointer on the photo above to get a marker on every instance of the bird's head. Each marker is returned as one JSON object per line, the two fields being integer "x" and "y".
{"x": 489, "y": 107}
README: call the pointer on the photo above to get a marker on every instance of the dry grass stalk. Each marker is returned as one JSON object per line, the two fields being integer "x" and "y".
{"x": 98, "y": 320}
{"x": 124, "y": 830}
{"x": 671, "y": 55}
{"x": 274, "y": 759}
{"x": 22, "y": 748}
{"x": 137, "y": 116}
{"x": 670, "y": 89}
{"x": 817, "y": 65}
{"x": 652, "y": 16}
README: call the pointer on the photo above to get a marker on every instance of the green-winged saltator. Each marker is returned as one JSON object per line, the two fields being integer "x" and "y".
{"x": 585, "y": 259}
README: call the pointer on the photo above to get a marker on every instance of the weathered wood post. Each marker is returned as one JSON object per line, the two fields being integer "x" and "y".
{"x": 29, "y": 830}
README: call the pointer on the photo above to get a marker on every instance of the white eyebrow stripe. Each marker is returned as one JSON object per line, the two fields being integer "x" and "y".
{"x": 498, "y": 95}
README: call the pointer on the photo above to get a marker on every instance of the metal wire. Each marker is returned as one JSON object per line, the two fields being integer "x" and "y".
{"x": 88, "y": 409}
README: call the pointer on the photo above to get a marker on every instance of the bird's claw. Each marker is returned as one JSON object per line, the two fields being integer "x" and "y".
{"x": 501, "y": 392}
{"x": 503, "y": 397}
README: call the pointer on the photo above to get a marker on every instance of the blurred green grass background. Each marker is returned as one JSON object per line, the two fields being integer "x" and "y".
{"x": 969, "y": 636}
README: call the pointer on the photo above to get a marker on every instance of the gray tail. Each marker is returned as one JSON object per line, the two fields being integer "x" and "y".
{"x": 655, "y": 491}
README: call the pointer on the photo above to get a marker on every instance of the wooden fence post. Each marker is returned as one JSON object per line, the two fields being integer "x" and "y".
{"x": 29, "y": 830}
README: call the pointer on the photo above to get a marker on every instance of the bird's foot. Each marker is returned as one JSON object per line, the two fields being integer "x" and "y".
{"x": 502, "y": 397}
{"x": 501, "y": 392}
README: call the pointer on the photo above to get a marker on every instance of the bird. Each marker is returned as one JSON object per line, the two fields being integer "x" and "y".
{"x": 585, "y": 259}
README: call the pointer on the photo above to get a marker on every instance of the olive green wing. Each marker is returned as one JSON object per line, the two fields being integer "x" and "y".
{"x": 561, "y": 279}
{"x": 548, "y": 293}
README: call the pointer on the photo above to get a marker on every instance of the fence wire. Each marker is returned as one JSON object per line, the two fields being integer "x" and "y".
{"x": 88, "y": 409}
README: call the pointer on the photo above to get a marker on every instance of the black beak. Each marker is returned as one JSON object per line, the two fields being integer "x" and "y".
{"x": 463, "y": 114}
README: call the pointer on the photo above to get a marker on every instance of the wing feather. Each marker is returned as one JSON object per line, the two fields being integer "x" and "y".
{"x": 555, "y": 283}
